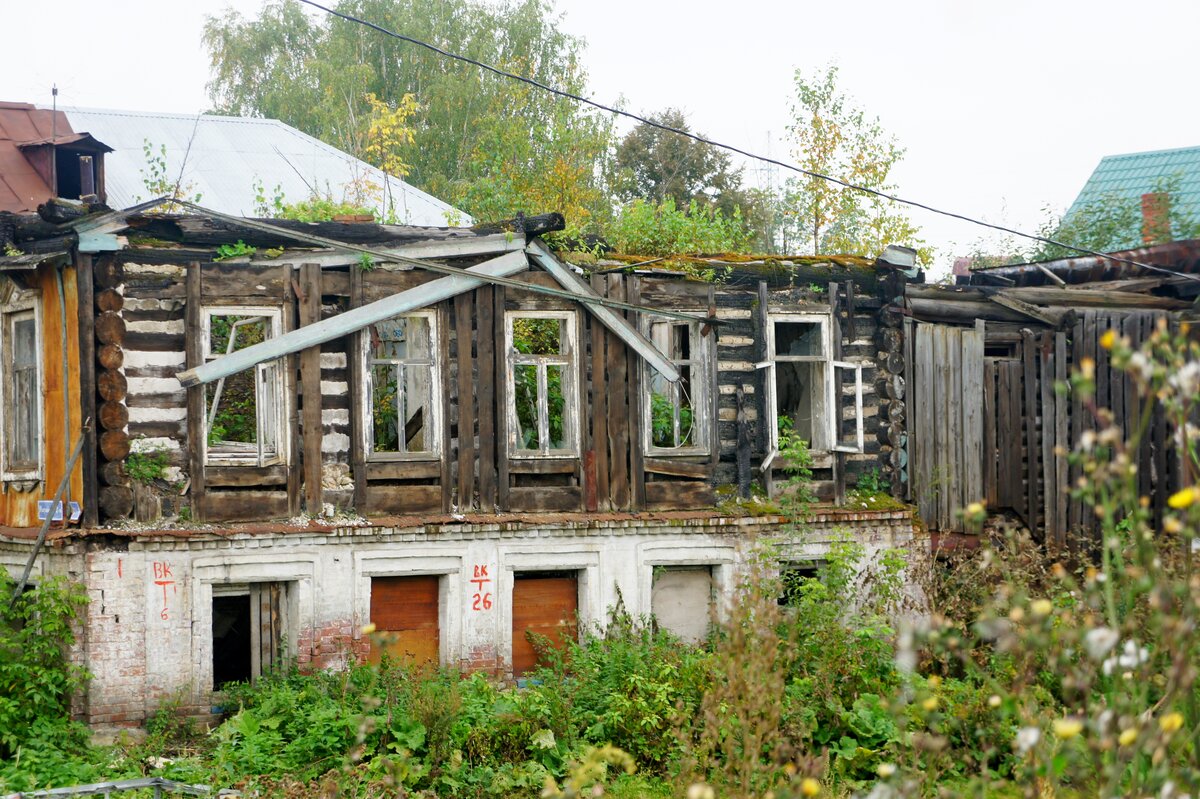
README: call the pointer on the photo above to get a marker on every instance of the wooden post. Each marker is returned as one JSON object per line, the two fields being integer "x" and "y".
{"x": 85, "y": 290}
{"x": 501, "y": 405}
{"x": 488, "y": 407}
{"x": 463, "y": 318}
{"x": 310, "y": 387}
{"x": 195, "y": 395}
{"x": 637, "y": 472}
{"x": 600, "y": 403}
{"x": 354, "y": 369}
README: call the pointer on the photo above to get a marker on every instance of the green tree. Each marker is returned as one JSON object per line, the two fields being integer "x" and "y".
{"x": 479, "y": 141}
{"x": 831, "y": 137}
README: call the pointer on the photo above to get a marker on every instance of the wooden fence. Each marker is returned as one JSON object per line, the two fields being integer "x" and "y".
{"x": 1019, "y": 444}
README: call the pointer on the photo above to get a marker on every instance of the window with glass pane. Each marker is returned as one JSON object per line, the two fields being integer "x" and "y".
{"x": 675, "y": 418}
{"x": 800, "y": 381}
{"x": 244, "y": 412}
{"x": 542, "y": 411}
{"x": 403, "y": 418}
{"x": 24, "y": 394}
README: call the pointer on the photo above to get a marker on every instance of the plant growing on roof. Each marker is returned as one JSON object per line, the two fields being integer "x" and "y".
{"x": 157, "y": 179}
{"x": 227, "y": 251}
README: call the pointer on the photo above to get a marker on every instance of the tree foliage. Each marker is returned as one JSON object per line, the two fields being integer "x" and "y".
{"x": 832, "y": 137}
{"x": 478, "y": 141}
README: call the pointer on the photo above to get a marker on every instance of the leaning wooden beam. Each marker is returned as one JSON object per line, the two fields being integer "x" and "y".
{"x": 1032, "y": 311}
{"x": 614, "y": 322}
{"x": 353, "y": 320}
{"x": 492, "y": 244}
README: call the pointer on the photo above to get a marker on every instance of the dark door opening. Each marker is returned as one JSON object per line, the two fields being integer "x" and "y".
{"x": 232, "y": 640}
{"x": 546, "y": 604}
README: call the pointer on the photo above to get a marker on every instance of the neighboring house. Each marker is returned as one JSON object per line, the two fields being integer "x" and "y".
{"x": 514, "y": 454}
{"x": 1138, "y": 177}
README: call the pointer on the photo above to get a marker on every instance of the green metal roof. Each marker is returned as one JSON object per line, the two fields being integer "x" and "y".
{"x": 1132, "y": 175}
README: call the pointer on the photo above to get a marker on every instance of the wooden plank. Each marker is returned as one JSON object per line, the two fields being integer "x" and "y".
{"x": 679, "y": 495}
{"x": 290, "y": 367}
{"x": 909, "y": 331}
{"x": 924, "y": 438}
{"x": 403, "y": 500}
{"x": 1062, "y": 443}
{"x": 618, "y": 416}
{"x": 485, "y": 355}
{"x": 1004, "y": 435}
{"x": 972, "y": 418}
{"x": 442, "y": 353}
{"x": 195, "y": 395}
{"x": 1073, "y": 507}
{"x": 1029, "y": 380}
{"x": 545, "y": 499}
{"x": 990, "y": 494}
{"x": 543, "y": 466}
{"x": 678, "y": 468}
{"x": 1016, "y": 436}
{"x": 245, "y": 476}
{"x": 358, "y": 379}
{"x": 403, "y": 470}
{"x": 637, "y": 451}
{"x": 1103, "y": 398}
{"x": 85, "y": 308}
{"x": 464, "y": 314}
{"x": 310, "y": 388}
{"x": 1116, "y": 386}
{"x": 1046, "y": 413}
{"x": 1161, "y": 479}
{"x": 245, "y": 505}
{"x": 599, "y": 385}
{"x": 500, "y": 361}
{"x": 1087, "y": 519}
{"x": 939, "y": 462}
{"x": 353, "y": 320}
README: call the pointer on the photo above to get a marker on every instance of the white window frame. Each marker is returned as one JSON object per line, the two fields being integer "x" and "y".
{"x": 270, "y": 375}
{"x": 21, "y": 304}
{"x": 434, "y": 439}
{"x": 702, "y": 380}
{"x": 569, "y": 360}
{"x": 833, "y": 404}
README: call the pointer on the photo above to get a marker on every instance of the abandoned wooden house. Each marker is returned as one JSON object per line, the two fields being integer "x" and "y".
{"x": 280, "y": 432}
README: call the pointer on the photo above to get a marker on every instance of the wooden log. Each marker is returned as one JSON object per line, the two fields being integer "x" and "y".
{"x": 114, "y": 445}
{"x": 110, "y": 356}
{"x": 112, "y": 386}
{"x": 116, "y": 502}
{"x": 109, "y": 300}
{"x": 109, "y": 273}
{"x": 113, "y": 415}
{"x": 113, "y": 473}
{"x": 110, "y": 328}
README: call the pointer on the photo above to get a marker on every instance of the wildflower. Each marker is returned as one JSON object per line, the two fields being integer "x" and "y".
{"x": 1186, "y": 380}
{"x": 1087, "y": 368}
{"x": 1182, "y": 499}
{"x": 1027, "y": 738}
{"x": 1108, "y": 339}
{"x": 1099, "y": 641}
{"x": 1142, "y": 365}
{"x": 1016, "y": 614}
{"x": 885, "y": 770}
{"x": 700, "y": 790}
{"x": 930, "y": 704}
{"x": 1171, "y": 722}
{"x": 1127, "y": 737}
{"x": 1172, "y": 525}
{"x": 993, "y": 701}
{"x": 368, "y": 628}
{"x": 1067, "y": 728}
{"x": 1042, "y": 607}
{"x": 1133, "y": 655}
{"x": 809, "y": 787}
{"x": 933, "y": 680}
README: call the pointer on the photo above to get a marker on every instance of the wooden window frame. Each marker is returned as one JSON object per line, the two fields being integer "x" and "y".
{"x": 18, "y": 305}
{"x": 833, "y": 402}
{"x": 274, "y": 372}
{"x": 702, "y": 390}
{"x": 569, "y": 361}
{"x": 436, "y": 400}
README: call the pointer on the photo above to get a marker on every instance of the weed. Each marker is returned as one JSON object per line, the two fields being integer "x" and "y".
{"x": 228, "y": 251}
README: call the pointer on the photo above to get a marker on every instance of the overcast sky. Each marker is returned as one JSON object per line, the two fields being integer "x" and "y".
{"x": 1005, "y": 107}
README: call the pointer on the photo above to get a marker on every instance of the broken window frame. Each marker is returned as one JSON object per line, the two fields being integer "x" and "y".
{"x": 832, "y": 370}
{"x": 21, "y": 306}
{"x": 271, "y": 400}
{"x": 568, "y": 360}
{"x": 701, "y": 381}
{"x": 367, "y": 360}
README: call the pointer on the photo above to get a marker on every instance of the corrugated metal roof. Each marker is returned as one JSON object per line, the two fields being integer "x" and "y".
{"x": 228, "y": 155}
{"x": 21, "y": 187}
{"x": 1134, "y": 174}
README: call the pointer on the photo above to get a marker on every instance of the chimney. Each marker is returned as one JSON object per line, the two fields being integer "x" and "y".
{"x": 1156, "y": 217}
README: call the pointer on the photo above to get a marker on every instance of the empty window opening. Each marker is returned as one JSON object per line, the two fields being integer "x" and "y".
{"x": 545, "y": 609}
{"x": 249, "y": 624}
{"x": 792, "y": 577}
{"x": 405, "y": 407}
{"x": 75, "y": 174}
{"x": 677, "y": 419}
{"x": 682, "y": 600}
{"x": 543, "y": 404}
{"x": 245, "y": 413}
{"x": 405, "y": 613}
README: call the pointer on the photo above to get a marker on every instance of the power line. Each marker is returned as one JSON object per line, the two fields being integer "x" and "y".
{"x": 731, "y": 148}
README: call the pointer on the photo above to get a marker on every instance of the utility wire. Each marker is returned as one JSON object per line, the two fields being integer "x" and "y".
{"x": 731, "y": 148}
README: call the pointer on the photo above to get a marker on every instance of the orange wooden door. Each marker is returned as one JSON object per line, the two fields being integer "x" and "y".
{"x": 546, "y": 605}
{"x": 405, "y": 610}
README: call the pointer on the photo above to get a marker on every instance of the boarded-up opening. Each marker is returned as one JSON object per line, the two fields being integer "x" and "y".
{"x": 248, "y": 628}
{"x": 405, "y": 609}
{"x": 681, "y": 599}
{"x": 545, "y": 604}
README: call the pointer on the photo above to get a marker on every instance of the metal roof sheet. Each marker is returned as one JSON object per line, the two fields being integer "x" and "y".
{"x": 21, "y": 187}
{"x": 226, "y": 156}
{"x": 1131, "y": 175}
